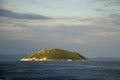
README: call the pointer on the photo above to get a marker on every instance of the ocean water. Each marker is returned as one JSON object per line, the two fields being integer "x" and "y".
{"x": 60, "y": 70}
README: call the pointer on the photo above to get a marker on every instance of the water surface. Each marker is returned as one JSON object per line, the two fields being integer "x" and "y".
{"x": 60, "y": 70}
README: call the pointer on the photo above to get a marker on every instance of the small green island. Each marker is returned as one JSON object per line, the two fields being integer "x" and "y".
{"x": 54, "y": 55}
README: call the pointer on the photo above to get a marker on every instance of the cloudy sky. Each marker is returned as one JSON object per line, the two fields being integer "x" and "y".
{"x": 91, "y": 27}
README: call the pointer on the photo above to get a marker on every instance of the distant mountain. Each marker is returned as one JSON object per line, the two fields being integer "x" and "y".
{"x": 54, "y": 54}
{"x": 11, "y": 57}
{"x": 106, "y": 59}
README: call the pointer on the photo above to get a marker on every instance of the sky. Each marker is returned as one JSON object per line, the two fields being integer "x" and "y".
{"x": 90, "y": 27}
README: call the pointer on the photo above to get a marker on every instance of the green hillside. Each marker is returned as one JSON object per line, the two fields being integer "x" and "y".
{"x": 54, "y": 54}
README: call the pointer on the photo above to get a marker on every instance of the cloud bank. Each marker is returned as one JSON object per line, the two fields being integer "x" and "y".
{"x": 10, "y": 14}
{"x": 89, "y": 34}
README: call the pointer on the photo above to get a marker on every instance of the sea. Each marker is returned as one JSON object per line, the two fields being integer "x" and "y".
{"x": 60, "y": 70}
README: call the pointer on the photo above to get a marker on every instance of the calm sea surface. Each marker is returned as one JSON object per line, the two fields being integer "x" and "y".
{"x": 60, "y": 70}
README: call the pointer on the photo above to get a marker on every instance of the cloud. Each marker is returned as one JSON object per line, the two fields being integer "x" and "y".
{"x": 75, "y": 40}
{"x": 113, "y": 2}
{"x": 61, "y": 30}
{"x": 10, "y": 14}
{"x": 92, "y": 36}
{"x": 57, "y": 30}
{"x": 58, "y": 23}
{"x": 110, "y": 7}
{"x": 114, "y": 15}
{"x": 110, "y": 2}
{"x": 106, "y": 34}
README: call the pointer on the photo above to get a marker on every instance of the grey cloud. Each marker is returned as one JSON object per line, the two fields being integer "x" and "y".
{"x": 109, "y": 6}
{"x": 72, "y": 36}
{"x": 10, "y": 14}
{"x": 113, "y": 2}
{"x": 110, "y": 2}
{"x": 115, "y": 15}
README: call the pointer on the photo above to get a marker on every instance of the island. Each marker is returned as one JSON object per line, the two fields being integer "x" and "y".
{"x": 54, "y": 55}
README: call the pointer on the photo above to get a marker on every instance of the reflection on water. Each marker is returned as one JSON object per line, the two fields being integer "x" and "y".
{"x": 60, "y": 70}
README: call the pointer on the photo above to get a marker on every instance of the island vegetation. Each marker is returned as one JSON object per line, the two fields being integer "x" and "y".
{"x": 54, "y": 54}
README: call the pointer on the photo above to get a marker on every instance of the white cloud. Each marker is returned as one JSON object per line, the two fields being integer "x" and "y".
{"x": 54, "y": 23}
{"x": 11, "y": 27}
{"x": 106, "y": 34}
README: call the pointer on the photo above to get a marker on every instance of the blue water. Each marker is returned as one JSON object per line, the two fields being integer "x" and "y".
{"x": 60, "y": 70}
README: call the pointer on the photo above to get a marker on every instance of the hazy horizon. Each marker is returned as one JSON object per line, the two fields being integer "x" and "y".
{"x": 90, "y": 27}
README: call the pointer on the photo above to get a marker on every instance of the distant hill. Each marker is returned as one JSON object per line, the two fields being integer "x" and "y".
{"x": 54, "y": 54}
{"x": 106, "y": 59}
{"x": 11, "y": 57}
